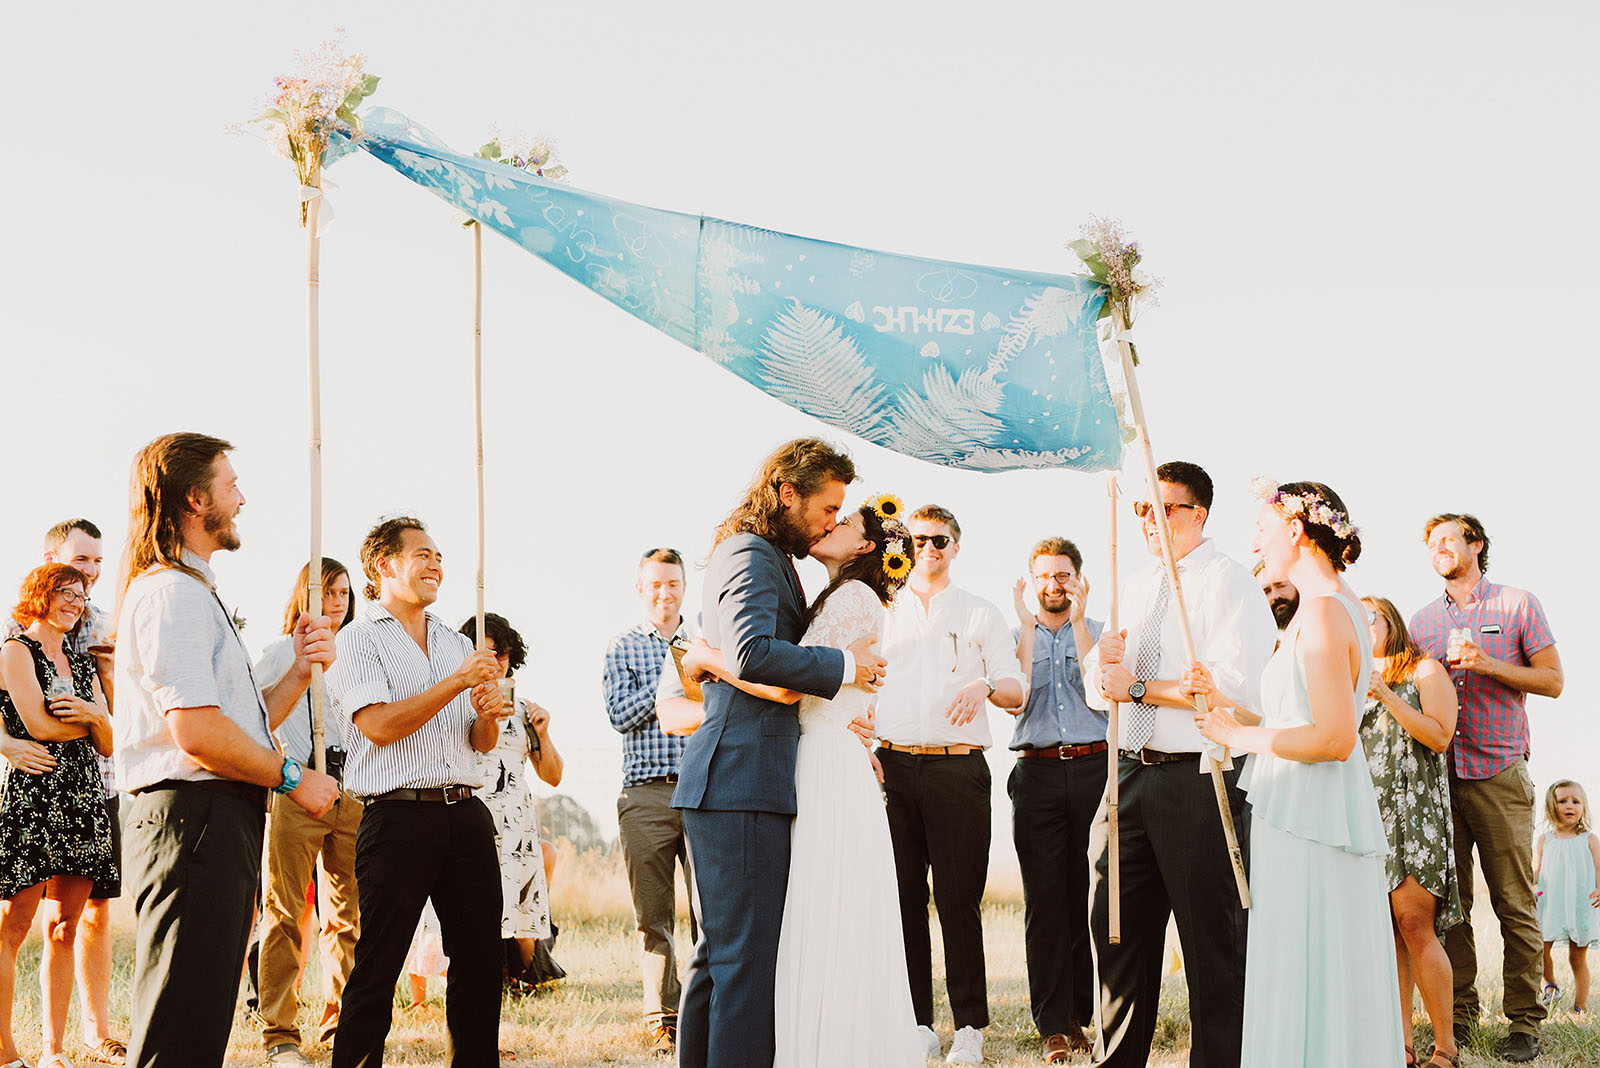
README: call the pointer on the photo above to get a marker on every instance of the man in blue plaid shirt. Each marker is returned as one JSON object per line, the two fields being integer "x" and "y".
{"x": 651, "y": 829}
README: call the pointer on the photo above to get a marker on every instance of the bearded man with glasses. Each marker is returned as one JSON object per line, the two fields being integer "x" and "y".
{"x": 1174, "y": 860}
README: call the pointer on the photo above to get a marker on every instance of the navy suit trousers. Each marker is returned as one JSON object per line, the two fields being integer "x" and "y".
{"x": 741, "y": 866}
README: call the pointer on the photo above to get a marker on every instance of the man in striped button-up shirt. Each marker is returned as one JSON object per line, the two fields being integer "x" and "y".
{"x": 422, "y": 707}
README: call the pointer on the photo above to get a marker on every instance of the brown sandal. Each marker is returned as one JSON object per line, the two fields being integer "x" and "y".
{"x": 1411, "y": 1056}
{"x": 1443, "y": 1060}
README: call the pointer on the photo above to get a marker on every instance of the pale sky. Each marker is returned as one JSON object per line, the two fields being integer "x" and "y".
{"x": 1374, "y": 222}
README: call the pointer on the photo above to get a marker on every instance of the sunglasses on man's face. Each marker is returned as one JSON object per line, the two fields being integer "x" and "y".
{"x": 939, "y": 540}
{"x": 1142, "y": 508}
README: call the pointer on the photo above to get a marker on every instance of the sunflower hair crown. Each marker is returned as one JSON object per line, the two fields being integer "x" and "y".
{"x": 896, "y": 564}
{"x": 888, "y": 506}
{"x": 1304, "y": 506}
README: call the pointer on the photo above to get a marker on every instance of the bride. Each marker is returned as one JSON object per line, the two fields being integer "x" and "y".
{"x": 842, "y": 997}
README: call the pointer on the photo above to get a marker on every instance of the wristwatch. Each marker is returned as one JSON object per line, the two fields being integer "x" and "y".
{"x": 292, "y": 774}
{"x": 1136, "y": 690}
{"x": 989, "y": 684}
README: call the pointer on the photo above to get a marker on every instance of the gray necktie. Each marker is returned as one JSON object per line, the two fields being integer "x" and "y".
{"x": 1142, "y": 716}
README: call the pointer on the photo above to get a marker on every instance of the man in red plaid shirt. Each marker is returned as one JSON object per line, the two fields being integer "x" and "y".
{"x": 1498, "y": 647}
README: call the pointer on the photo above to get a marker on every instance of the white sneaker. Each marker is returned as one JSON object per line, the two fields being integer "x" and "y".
{"x": 967, "y": 1047}
{"x": 928, "y": 1041}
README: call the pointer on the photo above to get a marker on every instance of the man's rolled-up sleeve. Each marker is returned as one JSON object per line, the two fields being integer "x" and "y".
{"x": 358, "y": 673}
{"x": 998, "y": 647}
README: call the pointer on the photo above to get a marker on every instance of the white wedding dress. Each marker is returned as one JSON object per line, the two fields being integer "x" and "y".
{"x": 842, "y": 995}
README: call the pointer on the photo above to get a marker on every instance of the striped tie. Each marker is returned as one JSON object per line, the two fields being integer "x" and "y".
{"x": 1142, "y": 717}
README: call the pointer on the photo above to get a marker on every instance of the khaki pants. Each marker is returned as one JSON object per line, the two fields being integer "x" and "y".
{"x": 294, "y": 840}
{"x": 652, "y": 843}
{"x": 1496, "y": 816}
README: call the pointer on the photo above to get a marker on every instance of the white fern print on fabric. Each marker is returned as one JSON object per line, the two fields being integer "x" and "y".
{"x": 954, "y": 363}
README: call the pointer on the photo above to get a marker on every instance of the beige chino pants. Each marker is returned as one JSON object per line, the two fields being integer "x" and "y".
{"x": 294, "y": 840}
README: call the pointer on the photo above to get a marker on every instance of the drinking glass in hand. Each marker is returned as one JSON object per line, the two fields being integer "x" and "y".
{"x": 1459, "y": 636}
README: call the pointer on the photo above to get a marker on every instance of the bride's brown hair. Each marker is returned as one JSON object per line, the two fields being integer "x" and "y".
{"x": 868, "y": 567}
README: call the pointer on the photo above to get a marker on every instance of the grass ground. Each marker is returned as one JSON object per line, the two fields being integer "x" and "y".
{"x": 591, "y": 1018}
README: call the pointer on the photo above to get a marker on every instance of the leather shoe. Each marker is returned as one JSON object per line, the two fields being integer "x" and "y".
{"x": 1462, "y": 1032}
{"x": 1520, "y": 1046}
{"x": 1057, "y": 1049}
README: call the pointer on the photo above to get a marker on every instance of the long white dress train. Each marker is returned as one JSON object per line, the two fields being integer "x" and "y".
{"x": 842, "y": 994}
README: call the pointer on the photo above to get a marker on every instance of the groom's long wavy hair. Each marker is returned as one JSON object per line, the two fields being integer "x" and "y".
{"x": 868, "y": 567}
{"x": 805, "y": 463}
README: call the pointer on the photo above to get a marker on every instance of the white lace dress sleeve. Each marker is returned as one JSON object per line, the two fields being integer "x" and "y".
{"x": 850, "y": 612}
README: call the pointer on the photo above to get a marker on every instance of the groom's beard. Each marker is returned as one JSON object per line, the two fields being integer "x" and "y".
{"x": 790, "y": 538}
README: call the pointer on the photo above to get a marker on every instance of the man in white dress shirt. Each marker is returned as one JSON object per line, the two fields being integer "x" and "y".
{"x": 950, "y": 653}
{"x": 422, "y": 707}
{"x": 1174, "y": 859}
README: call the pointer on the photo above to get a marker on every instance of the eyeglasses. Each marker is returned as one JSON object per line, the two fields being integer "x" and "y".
{"x": 939, "y": 540}
{"x": 1142, "y": 508}
{"x": 1061, "y": 578}
{"x": 71, "y": 596}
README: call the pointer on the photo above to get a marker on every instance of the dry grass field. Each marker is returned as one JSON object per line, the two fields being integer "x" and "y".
{"x": 591, "y": 1018}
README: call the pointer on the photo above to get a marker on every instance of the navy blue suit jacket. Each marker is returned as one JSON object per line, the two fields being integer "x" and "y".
{"x": 741, "y": 759}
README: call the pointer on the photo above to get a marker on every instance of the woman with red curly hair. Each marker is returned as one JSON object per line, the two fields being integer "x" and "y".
{"x": 55, "y": 834}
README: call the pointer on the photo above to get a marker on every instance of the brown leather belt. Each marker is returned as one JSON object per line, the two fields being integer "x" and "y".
{"x": 1064, "y": 752}
{"x": 931, "y": 750}
{"x": 244, "y": 791}
{"x": 1156, "y": 756}
{"x": 448, "y": 794}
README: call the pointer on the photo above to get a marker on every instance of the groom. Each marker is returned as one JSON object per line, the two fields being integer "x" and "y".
{"x": 736, "y": 781}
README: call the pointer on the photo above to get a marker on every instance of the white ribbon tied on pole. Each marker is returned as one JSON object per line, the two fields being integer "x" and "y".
{"x": 324, "y": 207}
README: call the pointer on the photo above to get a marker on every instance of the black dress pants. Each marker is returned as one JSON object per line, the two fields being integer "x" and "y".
{"x": 408, "y": 852}
{"x": 939, "y": 818}
{"x": 1053, "y": 805}
{"x": 193, "y": 867}
{"x": 1174, "y": 862}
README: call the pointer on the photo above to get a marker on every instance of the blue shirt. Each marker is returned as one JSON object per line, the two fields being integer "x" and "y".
{"x": 1056, "y": 713}
{"x": 632, "y": 669}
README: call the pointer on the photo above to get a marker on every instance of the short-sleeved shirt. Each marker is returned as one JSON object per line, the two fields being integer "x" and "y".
{"x": 294, "y": 733}
{"x": 177, "y": 648}
{"x": 1056, "y": 713}
{"x": 378, "y": 663}
{"x": 1509, "y": 625}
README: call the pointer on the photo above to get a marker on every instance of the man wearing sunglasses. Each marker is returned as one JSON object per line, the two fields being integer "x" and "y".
{"x": 951, "y": 654}
{"x": 1174, "y": 859}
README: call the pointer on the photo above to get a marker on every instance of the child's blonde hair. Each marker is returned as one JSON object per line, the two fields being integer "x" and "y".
{"x": 1550, "y": 803}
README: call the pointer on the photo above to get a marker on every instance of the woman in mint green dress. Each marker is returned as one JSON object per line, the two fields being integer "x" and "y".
{"x": 1410, "y": 719}
{"x": 1319, "y": 986}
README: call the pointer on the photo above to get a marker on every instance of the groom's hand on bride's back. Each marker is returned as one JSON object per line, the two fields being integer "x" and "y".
{"x": 870, "y": 667}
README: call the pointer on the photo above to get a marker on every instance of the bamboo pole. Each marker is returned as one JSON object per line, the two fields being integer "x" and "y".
{"x": 314, "y": 385}
{"x": 1142, "y": 438}
{"x": 1113, "y": 734}
{"x": 477, "y": 404}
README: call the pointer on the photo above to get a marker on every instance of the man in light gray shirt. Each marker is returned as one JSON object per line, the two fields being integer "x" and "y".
{"x": 194, "y": 748}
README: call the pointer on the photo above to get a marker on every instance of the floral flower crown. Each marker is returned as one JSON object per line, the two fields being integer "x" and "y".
{"x": 896, "y": 561}
{"x": 1306, "y": 506}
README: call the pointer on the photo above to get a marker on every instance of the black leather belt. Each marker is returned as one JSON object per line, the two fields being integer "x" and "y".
{"x": 1156, "y": 756}
{"x": 671, "y": 780}
{"x": 1065, "y": 752}
{"x": 244, "y": 791}
{"x": 447, "y": 794}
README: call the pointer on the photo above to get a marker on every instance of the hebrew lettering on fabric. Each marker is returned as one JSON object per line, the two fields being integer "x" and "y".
{"x": 966, "y": 366}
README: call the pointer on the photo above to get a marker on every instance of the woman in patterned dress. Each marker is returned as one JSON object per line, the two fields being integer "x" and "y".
{"x": 55, "y": 835}
{"x": 524, "y": 740}
{"x": 1409, "y": 721}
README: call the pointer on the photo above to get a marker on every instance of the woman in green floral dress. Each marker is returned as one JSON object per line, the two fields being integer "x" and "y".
{"x": 1409, "y": 721}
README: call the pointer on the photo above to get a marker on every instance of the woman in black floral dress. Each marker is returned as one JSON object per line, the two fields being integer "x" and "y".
{"x": 55, "y": 836}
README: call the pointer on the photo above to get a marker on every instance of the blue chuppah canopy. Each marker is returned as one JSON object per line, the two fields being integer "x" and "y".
{"x": 965, "y": 366}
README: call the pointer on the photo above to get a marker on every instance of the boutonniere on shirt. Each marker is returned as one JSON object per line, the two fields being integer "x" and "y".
{"x": 238, "y": 620}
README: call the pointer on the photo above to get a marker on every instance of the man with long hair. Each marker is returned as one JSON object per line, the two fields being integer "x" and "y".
{"x": 296, "y": 839}
{"x": 736, "y": 783}
{"x": 194, "y": 746}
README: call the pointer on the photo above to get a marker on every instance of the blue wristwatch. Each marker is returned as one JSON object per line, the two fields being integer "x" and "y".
{"x": 292, "y": 774}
